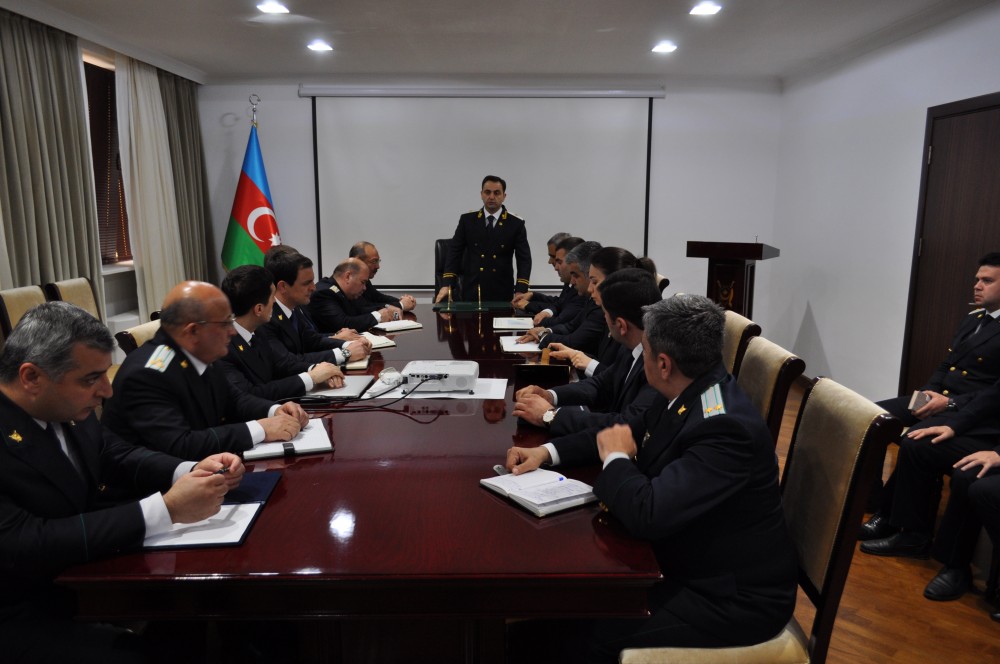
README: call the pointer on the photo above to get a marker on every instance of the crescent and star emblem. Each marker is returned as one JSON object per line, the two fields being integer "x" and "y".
{"x": 252, "y": 218}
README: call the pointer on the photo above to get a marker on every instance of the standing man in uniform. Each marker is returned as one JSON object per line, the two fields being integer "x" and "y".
{"x": 485, "y": 242}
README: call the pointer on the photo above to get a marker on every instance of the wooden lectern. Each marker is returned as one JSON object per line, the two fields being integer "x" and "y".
{"x": 731, "y": 267}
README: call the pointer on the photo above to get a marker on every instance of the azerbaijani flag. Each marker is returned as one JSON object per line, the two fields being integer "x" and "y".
{"x": 252, "y": 227}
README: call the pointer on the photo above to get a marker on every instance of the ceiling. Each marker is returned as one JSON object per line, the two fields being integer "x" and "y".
{"x": 756, "y": 41}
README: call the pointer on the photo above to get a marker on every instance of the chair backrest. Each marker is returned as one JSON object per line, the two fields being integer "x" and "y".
{"x": 130, "y": 339}
{"x": 441, "y": 249}
{"x": 14, "y": 303}
{"x": 739, "y": 330}
{"x": 662, "y": 282}
{"x": 837, "y": 448}
{"x": 767, "y": 373}
{"x": 77, "y": 291}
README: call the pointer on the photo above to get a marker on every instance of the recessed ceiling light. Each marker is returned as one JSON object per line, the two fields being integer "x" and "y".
{"x": 272, "y": 7}
{"x": 319, "y": 45}
{"x": 665, "y": 47}
{"x": 706, "y": 8}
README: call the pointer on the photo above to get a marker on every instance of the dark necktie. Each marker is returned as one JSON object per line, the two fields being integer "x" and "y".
{"x": 489, "y": 222}
{"x": 294, "y": 320}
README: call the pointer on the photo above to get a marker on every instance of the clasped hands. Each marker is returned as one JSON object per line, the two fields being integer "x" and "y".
{"x": 198, "y": 495}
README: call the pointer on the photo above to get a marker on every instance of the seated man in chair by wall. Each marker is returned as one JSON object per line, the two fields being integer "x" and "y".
{"x": 698, "y": 477}
{"x": 372, "y": 298}
{"x": 55, "y": 459}
{"x": 971, "y": 365}
{"x": 335, "y": 304}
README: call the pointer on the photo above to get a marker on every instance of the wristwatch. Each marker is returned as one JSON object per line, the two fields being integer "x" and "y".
{"x": 548, "y": 416}
{"x": 951, "y": 405}
{"x": 347, "y": 353}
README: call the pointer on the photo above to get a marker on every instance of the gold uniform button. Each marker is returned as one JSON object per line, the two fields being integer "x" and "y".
{"x": 945, "y": 392}
{"x": 965, "y": 373}
{"x": 951, "y": 369}
{"x": 979, "y": 359}
{"x": 482, "y": 255}
{"x": 481, "y": 269}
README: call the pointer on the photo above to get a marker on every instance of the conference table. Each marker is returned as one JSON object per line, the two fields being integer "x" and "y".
{"x": 392, "y": 530}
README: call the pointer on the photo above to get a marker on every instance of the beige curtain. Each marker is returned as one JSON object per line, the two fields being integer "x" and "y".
{"x": 46, "y": 172}
{"x": 149, "y": 183}
{"x": 180, "y": 104}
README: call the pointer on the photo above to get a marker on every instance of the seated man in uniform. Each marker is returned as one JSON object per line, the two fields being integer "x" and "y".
{"x": 53, "y": 466}
{"x": 698, "y": 477}
{"x": 290, "y": 329}
{"x": 610, "y": 397}
{"x": 534, "y": 301}
{"x": 250, "y": 364}
{"x": 971, "y": 365}
{"x": 170, "y": 397}
{"x": 587, "y": 328}
{"x": 373, "y": 299}
{"x": 335, "y": 304}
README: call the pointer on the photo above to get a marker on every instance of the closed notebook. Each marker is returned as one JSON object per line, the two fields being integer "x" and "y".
{"x": 312, "y": 439}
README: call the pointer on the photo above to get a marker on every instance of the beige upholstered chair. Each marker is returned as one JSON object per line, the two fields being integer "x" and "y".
{"x": 77, "y": 291}
{"x": 133, "y": 337}
{"x": 14, "y": 303}
{"x": 838, "y": 446}
{"x": 739, "y": 330}
{"x": 766, "y": 375}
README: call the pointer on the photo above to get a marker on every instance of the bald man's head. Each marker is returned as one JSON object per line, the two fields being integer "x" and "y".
{"x": 351, "y": 276}
{"x": 198, "y": 317}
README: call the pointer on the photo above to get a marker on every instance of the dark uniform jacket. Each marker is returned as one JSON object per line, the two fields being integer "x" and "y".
{"x": 332, "y": 311}
{"x": 50, "y": 516}
{"x": 604, "y": 399}
{"x": 487, "y": 273}
{"x": 373, "y": 299}
{"x": 556, "y": 303}
{"x": 972, "y": 364}
{"x": 298, "y": 338}
{"x": 584, "y": 333}
{"x": 161, "y": 402}
{"x": 704, "y": 490}
{"x": 254, "y": 368}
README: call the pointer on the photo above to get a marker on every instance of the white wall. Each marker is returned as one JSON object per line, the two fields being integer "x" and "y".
{"x": 848, "y": 181}
{"x": 713, "y": 169}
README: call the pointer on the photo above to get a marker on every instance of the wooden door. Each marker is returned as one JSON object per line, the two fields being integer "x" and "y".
{"x": 958, "y": 221}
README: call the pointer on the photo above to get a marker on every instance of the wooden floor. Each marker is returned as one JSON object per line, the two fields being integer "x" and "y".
{"x": 883, "y": 615}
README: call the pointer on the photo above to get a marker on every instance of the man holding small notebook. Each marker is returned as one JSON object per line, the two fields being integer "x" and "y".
{"x": 697, "y": 476}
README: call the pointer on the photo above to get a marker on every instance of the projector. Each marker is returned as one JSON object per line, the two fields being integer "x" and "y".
{"x": 441, "y": 376}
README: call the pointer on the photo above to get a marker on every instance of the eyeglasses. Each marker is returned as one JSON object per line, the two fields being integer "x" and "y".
{"x": 224, "y": 323}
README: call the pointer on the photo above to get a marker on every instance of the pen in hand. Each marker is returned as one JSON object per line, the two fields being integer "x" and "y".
{"x": 222, "y": 471}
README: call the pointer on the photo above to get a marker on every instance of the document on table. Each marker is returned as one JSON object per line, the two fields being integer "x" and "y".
{"x": 353, "y": 388}
{"x": 312, "y": 438}
{"x": 510, "y": 345}
{"x": 398, "y": 325}
{"x": 227, "y": 528}
{"x": 486, "y": 388}
{"x": 512, "y": 324}
{"x": 378, "y": 341}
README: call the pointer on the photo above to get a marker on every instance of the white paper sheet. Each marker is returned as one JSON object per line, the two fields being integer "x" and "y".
{"x": 226, "y": 527}
{"x": 510, "y": 345}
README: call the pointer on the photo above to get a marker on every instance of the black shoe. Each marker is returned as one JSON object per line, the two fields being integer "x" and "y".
{"x": 904, "y": 545}
{"x": 877, "y": 527}
{"x": 950, "y": 583}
